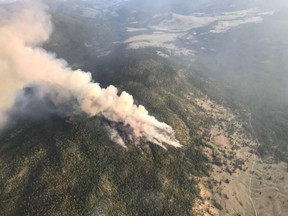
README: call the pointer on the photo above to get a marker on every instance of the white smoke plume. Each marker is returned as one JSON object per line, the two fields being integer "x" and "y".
{"x": 24, "y": 63}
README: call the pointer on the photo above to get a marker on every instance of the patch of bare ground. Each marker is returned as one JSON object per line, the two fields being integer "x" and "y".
{"x": 239, "y": 182}
{"x": 203, "y": 205}
{"x": 229, "y": 147}
{"x": 270, "y": 188}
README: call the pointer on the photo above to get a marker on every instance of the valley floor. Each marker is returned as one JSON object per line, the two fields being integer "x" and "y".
{"x": 240, "y": 183}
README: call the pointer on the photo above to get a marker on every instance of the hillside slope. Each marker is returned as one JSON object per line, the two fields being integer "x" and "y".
{"x": 58, "y": 166}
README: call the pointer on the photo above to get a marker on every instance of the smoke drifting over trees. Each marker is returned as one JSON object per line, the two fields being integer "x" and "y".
{"x": 24, "y": 64}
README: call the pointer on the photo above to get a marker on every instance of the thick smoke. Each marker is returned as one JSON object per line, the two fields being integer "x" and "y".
{"x": 23, "y": 63}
